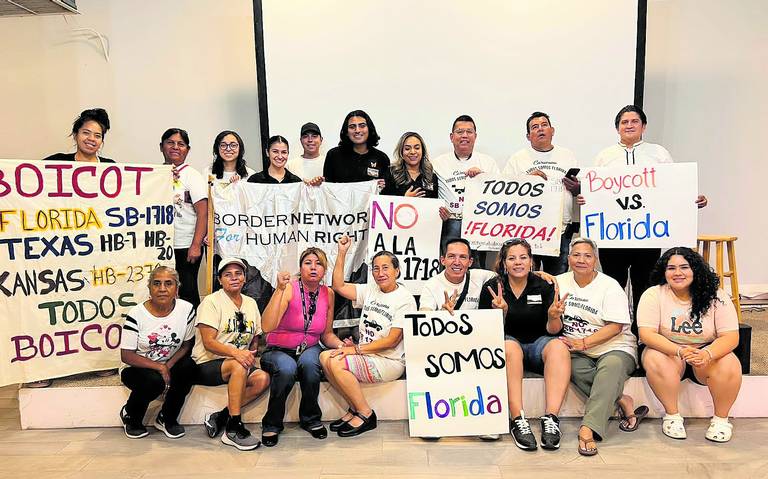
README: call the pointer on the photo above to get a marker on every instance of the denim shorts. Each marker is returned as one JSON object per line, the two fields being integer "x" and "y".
{"x": 533, "y": 353}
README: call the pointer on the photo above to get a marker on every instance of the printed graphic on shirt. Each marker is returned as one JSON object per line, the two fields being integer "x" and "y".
{"x": 162, "y": 343}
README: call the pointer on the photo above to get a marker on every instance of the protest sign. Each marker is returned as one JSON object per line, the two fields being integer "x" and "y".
{"x": 500, "y": 208}
{"x": 650, "y": 206}
{"x": 457, "y": 382}
{"x": 77, "y": 244}
{"x": 407, "y": 227}
{"x": 270, "y": 225}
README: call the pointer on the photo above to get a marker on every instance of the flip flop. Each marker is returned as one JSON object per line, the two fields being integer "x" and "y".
{"x": 586, "y": 450}
{"x": 639, "y": 415}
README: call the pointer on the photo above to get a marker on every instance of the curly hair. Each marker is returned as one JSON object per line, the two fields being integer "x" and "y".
{"x": 703, "y": 289}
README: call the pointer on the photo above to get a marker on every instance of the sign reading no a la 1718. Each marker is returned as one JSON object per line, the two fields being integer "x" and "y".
{"x": 457, "y": 383}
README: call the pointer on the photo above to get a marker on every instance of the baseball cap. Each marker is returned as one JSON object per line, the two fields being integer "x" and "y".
{"x": 227, "y": 261}
{"x": 310, "y": 128}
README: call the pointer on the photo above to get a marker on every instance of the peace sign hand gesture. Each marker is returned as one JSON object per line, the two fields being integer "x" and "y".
{"x": 498, "y": 298}
{"x": 557, "y": 308}
{"x": 450, "y": 301}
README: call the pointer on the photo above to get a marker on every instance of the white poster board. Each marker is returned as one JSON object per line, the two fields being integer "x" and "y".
{"x": 457, "y": 383}
{"x": 651, "y": 206}
{"x": 500, "y": 207}
{"x": 409, "y": 228}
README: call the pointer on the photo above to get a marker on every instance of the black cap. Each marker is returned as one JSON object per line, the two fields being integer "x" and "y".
{"x": 310, "y": 128}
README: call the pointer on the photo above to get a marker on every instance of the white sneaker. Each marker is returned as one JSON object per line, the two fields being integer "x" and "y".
{"x": 719, "y": 430}
{"x": 672, "y": 426}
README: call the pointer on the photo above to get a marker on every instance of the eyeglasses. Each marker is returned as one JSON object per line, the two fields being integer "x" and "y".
{"x": 240, "y": 318}
{"x": 461, "y": 131}
{"x": 229, "y": 146}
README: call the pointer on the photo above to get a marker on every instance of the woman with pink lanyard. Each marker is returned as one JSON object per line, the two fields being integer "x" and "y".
{"x": 299, "y": 315}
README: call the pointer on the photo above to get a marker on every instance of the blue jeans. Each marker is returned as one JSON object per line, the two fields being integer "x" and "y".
{"x": 284, "y": 369}
{"x": 533, "y": 353}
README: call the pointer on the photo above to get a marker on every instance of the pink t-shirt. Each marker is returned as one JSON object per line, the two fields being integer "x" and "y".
{"x": 662, "y": 311}
{"x": 290, "y": 332}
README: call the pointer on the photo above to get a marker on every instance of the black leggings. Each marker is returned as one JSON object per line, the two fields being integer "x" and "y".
{"x": 188, "y": 277}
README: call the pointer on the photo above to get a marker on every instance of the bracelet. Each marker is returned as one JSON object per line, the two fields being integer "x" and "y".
{"x": 708, "y": 352}
{"x": 357, "y": 349}
{"x": 678, "y": 352}
{"x": 584, "y": 343}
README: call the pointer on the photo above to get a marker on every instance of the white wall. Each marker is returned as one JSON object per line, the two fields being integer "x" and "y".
{"x": 706, "y": 97}
{"x": 171, "y": 63}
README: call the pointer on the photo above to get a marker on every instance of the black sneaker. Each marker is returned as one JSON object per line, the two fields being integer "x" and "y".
{"x": 550, "y": 432}
{"x": 522, "y": 434}
{"x": 172, "y": 430}
{"x": 214, "y": 423}
{"x": 132, "y": 431}
{"x": 240, "y": 437}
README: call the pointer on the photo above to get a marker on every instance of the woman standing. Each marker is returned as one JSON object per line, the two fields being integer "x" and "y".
{"x": 690, "y": 328}
{"x": 276, "y": 172}
{"x": 411, "y": 174}
{"x": 228, "y": 159}
{"x": 379, "y": 355}
{"x": 88, "y": 130}
{"x": 297, "y": 318}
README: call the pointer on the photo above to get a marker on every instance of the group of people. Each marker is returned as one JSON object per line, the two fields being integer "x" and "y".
{"x": 571, "y": 326}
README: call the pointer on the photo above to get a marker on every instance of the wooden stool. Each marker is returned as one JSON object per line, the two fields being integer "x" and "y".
{"x": 704, "y": 244}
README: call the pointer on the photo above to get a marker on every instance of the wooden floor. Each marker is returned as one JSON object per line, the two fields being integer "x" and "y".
{"x": 387, "y": 452}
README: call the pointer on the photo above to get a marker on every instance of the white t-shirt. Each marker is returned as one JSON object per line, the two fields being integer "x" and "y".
{"x": 589, "y": 309}
{"x": 382, "y": 311}
{"x": 555, "y": 163}
{"x": 433, "y": 292}
{"x": 156, "y": 338}
{"x": 640, "y": 154}
{"x": 226, "y": 176}
{"x": 451, "y": 177}
{"x": 304, "y": 168}
{"x": 187, "y": 190}
{"x": 219, "y": 312}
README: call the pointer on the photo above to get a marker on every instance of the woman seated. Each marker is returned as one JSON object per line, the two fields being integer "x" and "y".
{"x": 596, "y": 328}
{"x": 229, "y": 163}
{"x": 276, "y": 173}
{"x": 379, "y": 355}
{"x": 297, "y": 318}
{"x": 228, "y": 325}
{"x": 530, "y": 324}
{"x": 690, "y": 328}
{"x": 155, "y": 344}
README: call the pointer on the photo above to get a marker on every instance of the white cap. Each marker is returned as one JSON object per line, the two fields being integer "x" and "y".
{"x": 227, "y": 261}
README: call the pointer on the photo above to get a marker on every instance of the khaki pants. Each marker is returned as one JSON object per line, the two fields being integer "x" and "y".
{"x": 601, "y": 380}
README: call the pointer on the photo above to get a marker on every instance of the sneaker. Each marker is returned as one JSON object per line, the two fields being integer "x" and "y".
{"x": 214, "y": 423}
{"x": 522, "y": 434}
{"x": 241, "y": 438}
{"x": 172, "y": 430}
{"x": 132, "y": 431}
{"x": 550, "y": 432}
{"x": 489, "y": 437}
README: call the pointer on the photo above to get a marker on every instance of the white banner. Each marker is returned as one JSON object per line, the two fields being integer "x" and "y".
{"x": 77, "y": 243}
{"x": 503, "y": 207}
{"x": 650, "y": 206}
{"x": 457, "y": 381}
{"x": 407, "y": 227}
{"x": 270, "y": 225}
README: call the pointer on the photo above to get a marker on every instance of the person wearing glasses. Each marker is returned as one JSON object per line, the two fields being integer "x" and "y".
{"x": 594, "y": 311}
{"x": 276, "y": 173}
{"x": 88, "y": 130}
{"x": 530, "y": 342}
{"x": 356, "y": 158}
{"x": 190, "y": 202}
{"x": 228, "y": 325}
{"x": 154, "y": 347}
{"x": 379, "y": 356}
{"x": 228, "y": 159}
{"x": 297, "y": 319}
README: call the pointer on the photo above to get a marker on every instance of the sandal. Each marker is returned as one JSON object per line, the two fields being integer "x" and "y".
{"x": 639, "y": 415}
{"x": 672, "y": 426}
{"x": 719, "y": 431}
{"x": 586, "y": 450}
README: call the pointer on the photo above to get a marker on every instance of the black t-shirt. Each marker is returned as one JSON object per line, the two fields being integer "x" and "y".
{"x": 394, "y": 189}
{"x": 264, "y": 177}
{"x": 71, "y": 157}
{"x": 344, "y": 165}
{"x": 527, "y": 315}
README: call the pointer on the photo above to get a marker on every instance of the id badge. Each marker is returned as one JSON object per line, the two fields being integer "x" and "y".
{"x": 373, "y": 172}
{"x": 534, "y": 299}
{"x": 300, "y": 348}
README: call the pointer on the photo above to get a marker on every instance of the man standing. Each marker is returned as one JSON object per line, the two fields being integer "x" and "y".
{"x": 309, "y": 165}
{"x": 551, "y": 162}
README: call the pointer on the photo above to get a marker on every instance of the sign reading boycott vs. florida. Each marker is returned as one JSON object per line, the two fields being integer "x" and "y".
{"x": 457, "y": 382}
{"x": 650, "y": 206}
{"x": 499, "y": 208}
{"x": 407, "y": 227}
{"x": 77, "y": 244}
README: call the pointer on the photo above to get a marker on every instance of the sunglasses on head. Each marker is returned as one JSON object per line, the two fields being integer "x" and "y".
{"x": 240, "y": 318}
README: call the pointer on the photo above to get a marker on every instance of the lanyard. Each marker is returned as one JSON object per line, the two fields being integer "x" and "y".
{"x": 307, "y": 317}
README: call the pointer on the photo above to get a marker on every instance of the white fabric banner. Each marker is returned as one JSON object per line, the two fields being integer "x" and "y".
{"x": 651, "y": 206}
{"x": 502, "y": 207}
{"x": 406, "y": 227}
{"x": 457, "y": 381}
{"x": 270, "y": 225}
{"x": 77, "y": 244}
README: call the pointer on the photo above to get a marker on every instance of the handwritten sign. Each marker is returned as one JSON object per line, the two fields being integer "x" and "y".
{"x": 270, "y": 225}
{"x": 500, "y": 208}
{"x": 406, "y": 227}
{"x": 77, "y": 243}
{"x": 650, "y": 206}
{"x": 457, "y": 383}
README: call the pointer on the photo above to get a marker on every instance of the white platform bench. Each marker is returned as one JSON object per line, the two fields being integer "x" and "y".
{"x": 72, "y": 404}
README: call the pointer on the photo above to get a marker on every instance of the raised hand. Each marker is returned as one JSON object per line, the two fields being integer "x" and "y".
{"x": 557, "y": 308}
{"x": 450, "y": 301}
{"x": 283, "y": 278}
{"x": 498, "y": 298}
{"x": 344, "y": 244}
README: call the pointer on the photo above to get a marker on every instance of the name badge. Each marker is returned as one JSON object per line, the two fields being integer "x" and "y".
{"x": 534, "y": 299}
{"x": 373, "y": 172}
